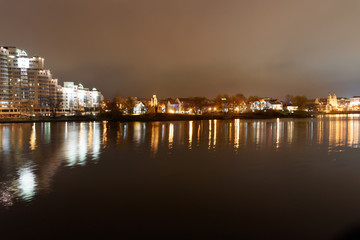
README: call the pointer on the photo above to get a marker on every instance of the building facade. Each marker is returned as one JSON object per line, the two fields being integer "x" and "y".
{"x": 76, "y": 98}
{"x": 28, "y": 89}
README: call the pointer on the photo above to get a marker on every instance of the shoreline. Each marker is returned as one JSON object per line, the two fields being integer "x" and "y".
{"x": 159, "y": 117}
{"x": 338, "y": 112}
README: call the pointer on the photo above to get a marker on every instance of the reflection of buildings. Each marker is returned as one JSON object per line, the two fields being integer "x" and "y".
{"x": 155, "y": 128}
{"x": 29, "y": 165}
{"x": 171, "y": 135}
{"x": 31, "y": 154}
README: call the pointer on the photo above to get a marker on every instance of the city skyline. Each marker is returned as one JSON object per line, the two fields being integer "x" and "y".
{"x": 28, "y": 88}
{"x": 176, "y": 48}
{"x": 37, "y": 58}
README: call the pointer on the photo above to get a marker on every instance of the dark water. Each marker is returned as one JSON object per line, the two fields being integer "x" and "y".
{"x": 244, "y": 179}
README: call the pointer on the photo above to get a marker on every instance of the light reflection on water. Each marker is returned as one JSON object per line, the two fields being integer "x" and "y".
{"x": 26, "y": 182}
{"x": 31, "y": 154}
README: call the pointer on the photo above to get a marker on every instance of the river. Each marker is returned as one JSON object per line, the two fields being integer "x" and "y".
{"x": 248, "y": 179}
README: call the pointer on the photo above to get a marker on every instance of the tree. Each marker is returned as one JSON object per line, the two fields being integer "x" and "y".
{"x": 237, "y": 102}
{"x": 253, "y": 98}
{"x": 221, "y": 101}
{"x": 130, "y": 103}
{"x": 54, "y": 105}
{"x": 197, "y": 103}
{"x": 238, "y": 99}
{"x": 312, "y": 106}
{"x": 288, "y": 98}
{"x": 299, "y": 101}
{"x": 27, "y": 107}
{"x": 118, "y": 105}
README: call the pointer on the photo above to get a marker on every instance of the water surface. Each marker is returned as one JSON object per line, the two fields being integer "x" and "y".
{"x": 251, "y": 179}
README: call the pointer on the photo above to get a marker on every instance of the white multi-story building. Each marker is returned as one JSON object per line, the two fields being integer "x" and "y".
{"x": 27, "y": 88}
{"x": 355, "y": 101}
{"x": 78, "y": 98}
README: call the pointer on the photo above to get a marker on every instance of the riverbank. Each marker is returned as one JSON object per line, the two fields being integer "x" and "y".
{"x": 340, "y": 112}
{"x": 161, "y": 117}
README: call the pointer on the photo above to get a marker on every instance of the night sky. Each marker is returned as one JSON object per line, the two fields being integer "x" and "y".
{"x": 182, "y": 48}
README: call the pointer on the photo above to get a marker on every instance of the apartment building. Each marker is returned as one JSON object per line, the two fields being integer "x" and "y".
{"x": 28, "y": 88}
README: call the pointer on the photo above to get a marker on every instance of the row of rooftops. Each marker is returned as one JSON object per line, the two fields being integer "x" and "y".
{"x": 14, "y": 51}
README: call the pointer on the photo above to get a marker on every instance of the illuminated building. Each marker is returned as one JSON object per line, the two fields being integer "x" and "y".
{"x": 27, "y": 88}
{"x": 332, "y": 100}
{"x": 175, "y": 106}
{"x": 154, "y": 101}
{"x": 139, "y": 108}
{"x": 258, "y": 105}
{"x": 321, "y": 103}
{"x": 276, "y": 104}
{"x": 154, "y": 104}
{"x": 355, "y": 102}
{"x": 292, "y": 108}
{"x": 4, "y": 79}
{"x": 77, "y": 98}
{"x": 267, "y": 103}
{"x": 332, "y": 103}
{"x": 343, "y": 101}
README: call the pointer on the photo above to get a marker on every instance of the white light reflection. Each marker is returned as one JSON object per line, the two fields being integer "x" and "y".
{"x": 26, "y": 183}
{"x": 83, "y": 145}
{"x": 125, "y": 131}
{"x": 47, "y": 132}
{"x": 71, "y": 145}
{"x": 96, "y": 141}
{"x": 5, "y": 140}
{"x": 66, "y": 130}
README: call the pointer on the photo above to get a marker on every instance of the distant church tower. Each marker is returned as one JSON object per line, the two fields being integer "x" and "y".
{"x": 331, "y": 102}
{"x": 154, "y": 101}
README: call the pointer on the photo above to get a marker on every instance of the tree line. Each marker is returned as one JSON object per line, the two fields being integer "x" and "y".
{"x": 198, "y": 103}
